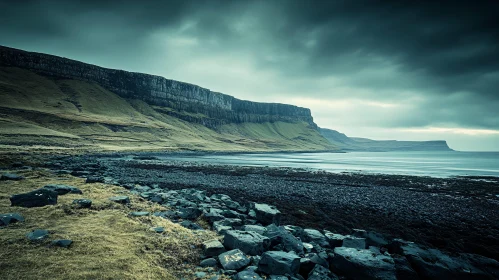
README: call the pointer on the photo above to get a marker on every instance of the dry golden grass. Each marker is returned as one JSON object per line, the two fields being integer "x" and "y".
{"x": 108, "y": 243}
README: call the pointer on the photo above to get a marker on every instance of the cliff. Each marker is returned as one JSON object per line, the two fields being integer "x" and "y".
{"x": 189, "y": 102}
{"x": 368, "y": 145}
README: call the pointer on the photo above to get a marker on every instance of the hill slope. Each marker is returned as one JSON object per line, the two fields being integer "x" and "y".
{"x": 367, "y": 145}
{"x": 44, "y": 112}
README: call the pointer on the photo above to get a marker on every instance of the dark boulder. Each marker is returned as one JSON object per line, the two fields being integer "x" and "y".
{"x": 279, "y": 263}
{"x": 10, "y": 218}
{"x": 321, "y": 273}
{"x": 363, "y": 264}
{"x": 191, "y": 225}
{"x": 11, "y": 177}
{"x": 258, "y": 229}
{"x": 248, "y": 274}
{"x": 354, "y": 242}
{"x": 280, "y": 236}
{"x": 122, "y": 199}
{"x": 94, "y": 179}
{"x": 83, "y": 203}
{"x": 189, "y": 213}
{"x": 267, "y": 214}
{"x": 65, "y": 243}
{"x": 213, "y": 248}
{"x": 210, "y": 262}
{"x": 36, "y": 198}
{"x": 248, "y": 242}
{"x": 233, "y": 260}
{"x": 63, "y": 189}
{"x": 315, "y": 236}
{"x": 38, "y": 235}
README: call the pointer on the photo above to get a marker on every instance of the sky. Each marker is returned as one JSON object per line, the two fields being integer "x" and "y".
{"x": 405, "y": 70}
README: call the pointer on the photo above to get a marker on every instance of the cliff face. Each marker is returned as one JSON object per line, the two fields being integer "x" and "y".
{"x": 368, "y": 145}
{"x": 191, "y": 103}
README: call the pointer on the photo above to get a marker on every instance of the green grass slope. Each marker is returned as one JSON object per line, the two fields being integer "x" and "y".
{"x": 43, "y": 113}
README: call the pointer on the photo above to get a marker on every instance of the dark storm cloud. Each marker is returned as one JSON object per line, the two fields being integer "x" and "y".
{"x": 445, "y": 52}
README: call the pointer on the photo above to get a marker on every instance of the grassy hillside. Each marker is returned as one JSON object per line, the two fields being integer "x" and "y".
{"x": 39, "y": 112}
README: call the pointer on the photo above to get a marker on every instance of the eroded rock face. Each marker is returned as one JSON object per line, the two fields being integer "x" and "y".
{"x": 214, "y": 108}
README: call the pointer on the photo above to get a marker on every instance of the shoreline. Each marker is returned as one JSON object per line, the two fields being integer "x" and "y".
{"x": 454, "y": 214}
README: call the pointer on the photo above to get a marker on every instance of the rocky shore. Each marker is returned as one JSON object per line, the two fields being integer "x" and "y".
{"x": 298, "y": 224}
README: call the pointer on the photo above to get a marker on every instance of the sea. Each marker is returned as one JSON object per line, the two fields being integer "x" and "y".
{"x": 435, "y": 164}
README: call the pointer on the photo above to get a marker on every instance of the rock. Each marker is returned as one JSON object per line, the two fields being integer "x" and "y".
{"x": 191, "y": 225}
{"x": 307, "y": 247}
{"x": 233, "y": 260}
{"x": 120, "y": 199}
{"x": 11, "y": 177}
{"x": 433, "y": 264}
{"x": 36, "y": 198}
{"x": 158, "y": 229}
{"x": 10, "y": 218}
{"x": 38, "y": 235}
{"x": 279, "y": 235}
{"x": 200, "y": 274}
{"x": 248, "y": 242}
{"x": 211, "y": 262}
{"x": 315, "y": 236}
{"x": 321, "y": 273}
{"x": 213, "y": 248}
{"x": 248, "y": 274}
{"x": 295, "y": 230}
{"x": 278, "y": 277}
{"x": 65, "y": 243}
{"x": 189, "y": 213}
{"x": 279, "y": 263}
{"x": 309, "y": 262}
{"x": 403, "y": 268}
{"x": 363, "y": 264}
{"x": 335, "y": 240}
{"x": 214, "y": 215}
{"x": 267, "y": 214}
{"x": 258, "y": 229}
{"x": 63, "y": 189}
{"x": 354, "y": 242}
{"x": 94, "y": 179}
{"x": 83, "y": 203}
{"x": 140, "y": 214}
{"x": 372, "y": 238}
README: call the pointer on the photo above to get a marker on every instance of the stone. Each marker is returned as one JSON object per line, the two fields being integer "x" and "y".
{"x": 307, "y": 247}
{"x": 433, "y": 264}
{"x": 321, "y": 273}
{"x": 403, "y": 268}
{"x": 122, "y": 199}
{"x": 10, "y": 218}
{"x": 200, "y": 274}
{"x": 278, "y": 277}
{"x": 158, "y": 229}
{"x": 247, "y": 275}
{"x": 363, "y": 264}
{"x": 334, "y": 239}
{"x": 189, "y": 213}
{"x": 233, "y": 260}
{"x": 140, "y": 214}
{"x": 354, "y": 242}
{"x": 279, "y": 263}
{"x": 63, "y": 189}
{"x": 309, "y": 262}
{"x": 36, "y": 198}
{"x": 83, "y": 203}
{"x": 372, "y": 238}
{"x": 212, "y": 248}
{"x": 258, "y": 229}
{"x": 280, "y": 236}
{"x": 267, "y": 214}
{"x": 94, "y": 179}
{"x": 64, "y": 243}
{"x": 295, "y": 230}
{"x": 248, "y": 242}
{"x": 315, "y": 236}
{"x": 11, "y": 177}
{"x": 191, "y": 225}
{"x": 38, "y": 235}
{"x": 210, "y": 262}
{"x": 214, "y": 215}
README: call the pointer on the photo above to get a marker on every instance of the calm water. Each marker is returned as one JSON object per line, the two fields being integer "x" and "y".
{"x": 438, "y": 164}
